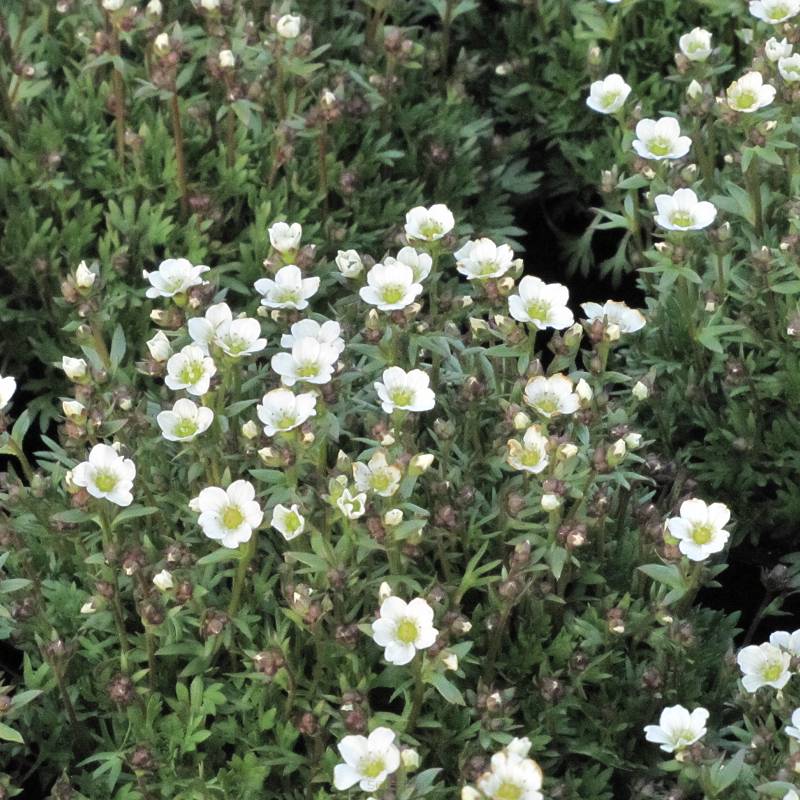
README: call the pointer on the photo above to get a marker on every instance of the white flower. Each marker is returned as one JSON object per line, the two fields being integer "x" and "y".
{"x": 696, "y": 45}
{"x": 775, "y": 50}
{"x": 404, "y": 628}
{"x": 191, "y": 369}
{"x": 694, "y": 91}
{"x": 174, "y": 276}
{"x": 682, "y": 211}
{"x": 789, "y": 68}
{"x": 240, "y": 337}
{"x": 349, "y": 263}
{"x": 393, "y": 517}
{"x": 764, "y": 665}
{"x": 159, "y": 347}
{"x": 154, "y": 8}
{"x": 162, "y": 44}
{"x": 352, "y": 505}
{"x": 419, "y": 263}
{"x": 615, "y": 312}
{"x": 531, "y": 454}
{"x": 786, "y": 641}
{"x": 328, "y": 333}
{"x": 203, "y": 330}
{"x": 113, "y": 5}
{"x": 106, "y": 475}
{"x": 289, "y": 28}
{"x": 640, "y": 391}
{"x": 700, "y": 528}
{"x": 660, "y": 139}
{"x": 310, "y": 360}
{"x": 791, "y": 795}
{"x": 227, "y": 60}
{"x": 285, "y": 238}
{"x": 209, "y": 5}
{"x": 750, "y": 93}
{"x": 420, "y": 463}
{"x": 76, "y": 369}
{"x": 228, "y": 515}
{"x": 550, "y": 502}
{"x": 793, "y": 730}
{"x": 289, "y": 522}
{"x": 481, "y": 259}
{"x": 608, "y": 95}
{"x": 774, "y": 11}
{"x": 405, "y": 391}
{"x": 281, "y": 410}
{"x": 84, "y": 277}
{"x": 677, "y": 728}
{"x": 390, "y": 286}
{"x": 512, "y": 774}
{"x": 163, "y": 580}
{"x": 429, "y": 224}
{"x": 368, "y": 761}
{"x": 185, "y": 421}
{"x": 72, "y": 409}
{"x": 289, "y": 289}
{"x": 543, "y": 305}
{"x": 377, "y": 476}
{"x": 551, "y": 396}
{"x": 8, "y": 386}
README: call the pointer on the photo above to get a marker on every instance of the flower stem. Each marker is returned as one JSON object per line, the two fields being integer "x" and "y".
{"x": 22, "y": 458}
{"x": 246, "y": 556}
{"x": 419, "y": 692}
{"x": 119, "y": 97}
{"x": 177, "y": 133}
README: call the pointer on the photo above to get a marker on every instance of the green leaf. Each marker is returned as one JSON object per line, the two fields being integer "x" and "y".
{"x": 668, "y": 574}
{"x": 133, "y": 512}
{"x": 10, "y": 735}
{"x": 446, "y": 689}
{"x": 118, "y": 347}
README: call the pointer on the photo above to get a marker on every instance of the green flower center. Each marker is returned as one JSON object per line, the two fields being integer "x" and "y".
{"x": 292, "y": 522}
{"x": 772, "y": 672}
{"x": 310, "y": 370}
{"x": 539, "y": 310}
{"x": 778, "y": 12}
{"x": 530, "y": 458}
{"x": 235, "y": 345}
{"x": 486, "y": 268}
{"x": 175, "y": 285}
{"x": 659, "y": 146}
{"x": 682, "y": 738}
{"x": 380, "y": 481}
{"x": 287, "y": 296}
{"x": 286, "y": 422}
{"x": 186, "y": 427}
{"x": 232, "y": 517}
{"x": 402, "y": 397}
{"x": 746, "y": 99}
{"x": 547, "y": 404}
{"x": 393, "y": 294}
{"x": 407, "y": 631}
{"x": 372, "y": 766}
{"x": 681, "y": 219}
{"x": 696, "y": 46}
{"x": 430, "y": 228}
{"x": 508, "y": 791}
{"x": 191, "y": 373}
{"x": 701, "y": 534}
{"x": 105, "y": 481}
{"x": 608, "y": 99}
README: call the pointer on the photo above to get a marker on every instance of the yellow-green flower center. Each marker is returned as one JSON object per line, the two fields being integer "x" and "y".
{"x": 430, "y": 228}
{"x": 105, "y": 481}
{"x": 538, "y": 310}
{"x": 286, "y": 422}
{"x": 508, "y": 791}
{"x": 407, "y": 631}
{"x": 745, "y": 99}
{"x": 235, "y": 345}
{"x": 531, "y": 458}
{"x": 392, "y": 294}
{"x": 402, "y": 397}
{"x": 778, "y": 12}
{"x": 547, "y": 404}
{"x": 232, "y": 517}
{"x": 486, "y": 268}
{"x": 191, "y": 373}
{"x": 608, "y": 99}
{"x": 681, "y": 219}
{"x": 701, "y": 534}
{"x": 287, "y": 296}
{"x": 659, "y": 147}
{"x": 186, "y": 427}
{"x": 772, "y": 672}
{"x": 309, "y": 370}
{"x": 372, "y": 766}
{"x": 380, "y": 481}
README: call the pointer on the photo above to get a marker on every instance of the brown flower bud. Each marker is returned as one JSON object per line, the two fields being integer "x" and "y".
{"x": 121, "y": 690}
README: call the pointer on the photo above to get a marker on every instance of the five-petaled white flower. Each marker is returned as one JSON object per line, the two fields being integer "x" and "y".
{"x": 282, "y": 410}
{"x": 288, "y": 27}
{"x": 174, "y": 276}
{"x": 481, "y": 259}
{"x": 512, "y": 774}
{"x": 191, "y": 369}
{"x": 403, "y": 628}
{"x": 352, "y": 505}
{"x": 677, "y": 728}
{"x": 791, "y": 795}
{"x": 682, "y": 211}
{"x": 696, "y": 45}
{"x": 552, "y": 396}
{"x": 750, "y": 93}
{"x": 790, "y": 642}
{"x": 377, "y": 475}
{"x": 543, "y": 305}
{"x": 390, "y": 286}
{"x": 203, "y": 330}
{"x": 764, "y": 665}
{"x": 700, "y": 528}
{"x": 660, "y": 139}
{"x": 185, "y": 421}
{"x": 289, "y": 522}
{"x": 283, "y": 237}
{"x": 405, "y": 391}
{"x": 106, "y": 475}
{"x": 8, "y": 386}
{"x": 329, "y": 333}
{"x": 608, "y": 95}
{"x": 420, "y": 263}
{"x": 789, "y": 68}
{"x": 230, "y": 515}
{"x": 774, "y": 11}
{"x": 615, "y": 312}
{"x": 775, "y": 50}
{"x": 368, "y": 761}
{"x": 793, "y": 730}
{"x": 240, "y": 337}
{"x": 429, "y": 224}
{"x": 289, "y": 289}
{"x": 531, "y": 454}
{"x": 309, "y": 360}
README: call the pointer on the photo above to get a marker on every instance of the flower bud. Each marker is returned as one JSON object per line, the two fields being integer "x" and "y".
{"x": 410, "y": 758}
{"x": 73, "y": 410}
{"x": 250, "y": 430}
{"x": 450, "y": 661}
{"x": 163, "y": 580}
{"x": 695, "y": 91}
{"x": 154, "y": 8}
{"x": 584, "y": 392}
{"x": 84, "y": 277}
{"x": 550, "y": 502}
{"x": 616, "y": 453}
{"x": 393, "y": 517}
{"x": 633, "y": 441}
{"x": 227, "y": 60}
{"x": 640, "y": 391}
{"x": 76, "y": 369}
{"x": 161, "y": 45}
{"x": 349, "y": 263}
{"x": 384, "y": 592}
{"x": 567, "y": 451}
{"x": 521, "y": 421}
{"x": 420, "y": 463}
{"x": 288, "y": 26}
